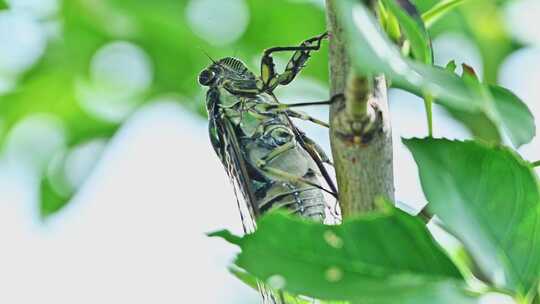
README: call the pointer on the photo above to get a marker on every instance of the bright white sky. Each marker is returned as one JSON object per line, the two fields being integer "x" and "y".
{"x": 135, "y": 234}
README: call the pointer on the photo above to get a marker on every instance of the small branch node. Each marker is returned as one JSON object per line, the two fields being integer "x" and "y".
{"x": 359, "y": 118}
{"x": 357, "y": 96}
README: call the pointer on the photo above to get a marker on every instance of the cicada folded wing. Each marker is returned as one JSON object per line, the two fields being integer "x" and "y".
{"x": 236, "y": 167}
{"x": 227, "y": 146}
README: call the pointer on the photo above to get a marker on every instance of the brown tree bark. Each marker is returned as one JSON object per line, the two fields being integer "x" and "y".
{"x": 360, "y": 132}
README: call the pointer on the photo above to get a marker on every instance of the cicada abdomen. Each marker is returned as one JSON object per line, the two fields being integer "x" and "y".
{"x": 277, "y": 170}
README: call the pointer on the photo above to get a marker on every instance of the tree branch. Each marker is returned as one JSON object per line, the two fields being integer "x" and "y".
{"x": 360, "y": 132}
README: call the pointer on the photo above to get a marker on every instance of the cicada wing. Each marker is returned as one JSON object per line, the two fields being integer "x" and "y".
{"x": 237, "y": 169}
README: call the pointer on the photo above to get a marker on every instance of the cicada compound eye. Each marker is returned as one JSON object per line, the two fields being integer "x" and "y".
{"x": 206, "y": 77}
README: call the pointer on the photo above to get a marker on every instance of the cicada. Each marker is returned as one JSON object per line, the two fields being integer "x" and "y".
{"x": 271, "y": 162}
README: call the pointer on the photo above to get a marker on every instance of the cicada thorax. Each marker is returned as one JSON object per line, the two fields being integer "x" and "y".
{"x": 278, "y": 164}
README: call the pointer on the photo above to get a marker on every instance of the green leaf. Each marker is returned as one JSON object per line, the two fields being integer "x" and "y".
{"x": 413, "y": 28}
{"x": 373, "y": 53}
{"x": 227, "y": 235}
{"x": 480, "y": 124}
{"x": 388, "y": 22}
{"x": 439, "y": 10}
{"x": 512, "y": 111}
{"x": 252, "y": 282}
{"x": 385, "y": 257}
{"x": 245, "y": 277}
{"x": 489, "y": 198}
{"x": 451, "y": 66}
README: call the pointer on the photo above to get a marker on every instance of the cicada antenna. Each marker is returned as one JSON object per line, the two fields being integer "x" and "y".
{"x": 207, "y": 55}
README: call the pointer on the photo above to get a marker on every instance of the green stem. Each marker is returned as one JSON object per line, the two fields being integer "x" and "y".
{"x": 536, "y": 163}
{"x": 428, "y": 103}
{"x": 357, "y": 95}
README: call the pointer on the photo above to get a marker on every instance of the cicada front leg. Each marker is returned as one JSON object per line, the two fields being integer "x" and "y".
{"x": 271, "y": 79}
{"x": 304, "y": 116}
{"x": 287, "y": 109}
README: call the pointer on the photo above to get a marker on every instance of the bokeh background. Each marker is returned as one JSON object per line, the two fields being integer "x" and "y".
{"x": 100, "y": 107}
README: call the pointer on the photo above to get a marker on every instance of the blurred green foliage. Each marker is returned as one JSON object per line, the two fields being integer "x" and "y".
{"x": 481, "y": 21}
{"x": 162, "y": 30}
{"x": 487, "y": 111}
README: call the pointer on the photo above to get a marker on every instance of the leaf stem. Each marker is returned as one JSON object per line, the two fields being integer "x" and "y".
{"x": 428, "y": 104}
{"x": 536, "y": 163}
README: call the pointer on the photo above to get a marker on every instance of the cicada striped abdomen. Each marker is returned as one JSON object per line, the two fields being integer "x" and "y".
{"x": 263, "y": 156}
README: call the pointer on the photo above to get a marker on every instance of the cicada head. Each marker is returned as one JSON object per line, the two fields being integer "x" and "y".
{"x": 225, "y": 68}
